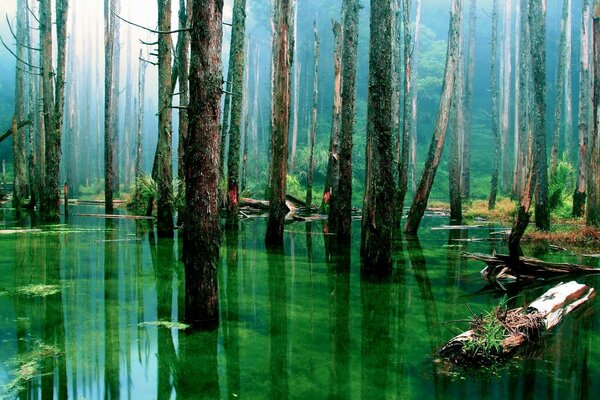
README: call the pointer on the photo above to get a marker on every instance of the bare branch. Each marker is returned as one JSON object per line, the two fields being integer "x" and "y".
{"x": 149, "y": 43}
{"x": 147, "y": 61}
{"x": 227, "y": 23}
{"x": 148, "y": 29}
{"x": 32, "y": 13}
{"x": 28, "y": 71}
{"x": 17, "y": 57}
{"x": 17, "y": 39}
{"x": 179, "y": 107}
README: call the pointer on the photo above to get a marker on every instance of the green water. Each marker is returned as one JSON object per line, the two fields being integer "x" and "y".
{"x": 304, "y": 324}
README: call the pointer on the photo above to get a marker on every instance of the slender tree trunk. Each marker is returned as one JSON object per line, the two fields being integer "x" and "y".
{"x": 109, "y": 172}
{"x": 333, "y": 169}
{"x": 246, "y": 119}
{"x": 19, "y": 160}
{"x": 128, "y": 114}
{"x": 255, "y": 111}
{"x": 340, "y": 212}
{"x": 226, "y": 117}
{"x": 506, "y": 97}
{"x": 380, "y": 182}
{"x": 495, "y": 108}
{"x": 465, "y": 183}
{"x": 34, "y": 132}
{"x": 569, "y": 87}
{"x": 297, "y": 71}
{"x": 140, "y": 119}
{"x": 560, "y": 87}
{"x": 415, "y": 92}
{"x": 163, "y": 171}
{"x": 593, "y": 183}
{"x": 185, "y": 11}
{"x": 115, "y": 28}
{"x": 313, "y": 133}
{"x": 236, "y": 58}
{"x": 537, "y": 23}
{"x": 584, "y": 112}
{"x": 456, "y": 128}
{"x": 283, "y": 54}
{"x": 419, "y": 204}
{"x": 201, "y": 233}
{"x": 407, "y": 127}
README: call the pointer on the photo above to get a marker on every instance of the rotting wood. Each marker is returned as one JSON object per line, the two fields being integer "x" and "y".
{"x": 520, "y": 326}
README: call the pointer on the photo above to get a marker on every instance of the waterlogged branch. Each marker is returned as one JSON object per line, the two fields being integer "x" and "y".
{"x": 15, "y": 37}
{"x": 148, "y": 29}
{"x": 17, "y": 57}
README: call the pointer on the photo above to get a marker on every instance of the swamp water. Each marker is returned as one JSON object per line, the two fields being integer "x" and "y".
{"x": 91, "y": 309}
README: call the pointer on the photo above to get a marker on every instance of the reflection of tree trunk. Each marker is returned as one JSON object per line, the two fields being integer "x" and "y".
{"x": 198, "y": 368}
{"x": 231, "y": 317}
{"x": 278, "y": 324}
{"x": 111, "y": 310}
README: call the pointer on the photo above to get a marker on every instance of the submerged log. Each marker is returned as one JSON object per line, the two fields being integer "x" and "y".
{"x": 520, "y": 326}
{"x": 502, "y": 270}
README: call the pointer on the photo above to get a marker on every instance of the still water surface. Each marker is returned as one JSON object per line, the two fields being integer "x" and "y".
{"x": 302, "y": 325}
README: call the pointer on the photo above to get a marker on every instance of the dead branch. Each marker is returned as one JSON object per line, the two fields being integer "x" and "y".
{"x": 31, "y": 12}
{"x": 17, "y": 57}
{"x": 148, "y": 29}
{"x": 9, "y": 131}
{"x": 148, "y": 43}
{"x": 12, "y": 32}
{"x": 148, "y": 61}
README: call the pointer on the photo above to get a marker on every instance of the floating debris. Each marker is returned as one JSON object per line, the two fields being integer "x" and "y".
{"x": 38, "y": 290}
{"x": 166, "y": 324}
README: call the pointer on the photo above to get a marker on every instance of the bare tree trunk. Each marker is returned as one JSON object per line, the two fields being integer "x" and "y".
{"x": 560, "y": 87}
{"x": 333, "y": 169}
{"x": 246, "y": 118}
{"x": 584, "y": 112}
{"x": 115, "y": 28}
{"x": 419, "y": 204}
{"x": 109, "y": 172}
{"x": 283, "y": 54}
{"x": 380, "y": 181}
{"x": 340, "y": 212}
{"x": 34, "y": 132}
{"x": 593, "y": 183}
{"x": 469, "y": 59}
{"x": 201, "y": 235}
{"x": 506, "y": 96}
{"x": 236, "y": 58}
{"x": 313, "y": 133}
{"x": 140, "y": 119}
{"x": 163, "y": 171}
{"x": 297, "y": 70}
{"x": 415, "y": 91}
{"x": 128, "y": 114}
{"x": 456, "y": 130}
{"x": 19, "y": 160}
{"x": 569, "y": 87}
{"x": 537, "y": 24}
{"x": 255, "y": 111}
{"x": 407, "y": 127}
{"x": 495, "y": 108}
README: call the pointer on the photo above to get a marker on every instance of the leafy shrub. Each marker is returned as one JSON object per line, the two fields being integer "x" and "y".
{"x": 561, "y": 185}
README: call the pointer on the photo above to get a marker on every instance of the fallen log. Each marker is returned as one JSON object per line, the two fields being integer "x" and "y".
{"x": 497, "y": 335}
{"x": 116, "y": 216}
{"x": 501, "y": 270}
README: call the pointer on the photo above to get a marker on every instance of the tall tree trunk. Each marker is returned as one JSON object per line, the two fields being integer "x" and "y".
{"x": 183, "y": 52}
{"x": 297, "y": 71}
{"x": 415, "y": 92}
{"x": 313, "y": 132}
{"x": 569, "y": 87}
{"x": 584, "y": 112}
{"x": 593, "y": 183}
{"x": 201, "y": 229}
{"x": 380, "y": 181}
{"x": 35, "y": 131}
{"x": 128, "y": 114}
{"x": 246, "y": 124}
{"x": 419, "y": 204}
{"x": 283, "y": 54}
{"x": 255, "y": 111}
{"x": 140, "y": 119}
{"x": 236, "y": 58}
{"x": 340, "y": 212}
{"x": 495, "y": 108}
{"x": 333, "y": 168}
{"x": 560, "y": 87}
{"x": 19, "y": 160}
{"x": 407, "y": 127}
{"x": 163, "y": 171}
{"x": 537, "y": 24}
{"x": 456, "y": 130}
{"x": 226, "y": 116}
{"x": 109, "y": 172}
{"x": 115, "y": 29}
{"x": 465, "y": 182}
{"x": 506, "y": 96}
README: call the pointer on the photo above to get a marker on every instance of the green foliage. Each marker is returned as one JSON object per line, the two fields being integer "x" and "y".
{"x": 294, "y": 187}
{"x": 145, "y": 189}
{"x": 561, "y": 184}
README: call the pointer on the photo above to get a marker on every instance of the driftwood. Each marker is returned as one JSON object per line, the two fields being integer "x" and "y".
{"x": 115, "y": 216}
{"x": 501, "y": 270}
{"x": 519, "y": 326}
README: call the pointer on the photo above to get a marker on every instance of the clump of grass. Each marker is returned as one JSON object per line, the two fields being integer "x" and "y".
{"x": 166, "y": 324}
{"x": 570, "y": 236}
{"x": 503, "y": 212}
{"x": 38, "y": 290}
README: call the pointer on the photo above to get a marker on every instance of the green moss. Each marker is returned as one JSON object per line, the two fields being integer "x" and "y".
{"x": 166, "y": 324}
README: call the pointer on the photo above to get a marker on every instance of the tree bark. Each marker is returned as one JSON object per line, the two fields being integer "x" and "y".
{"x": 140, "y": 119}
{"x": 456, "y": 130}
{"x": 569, "y": 87}
{"x": 19, "y": 160}
{"x": 584, "y": 112}
{"x": 407, "y": 126}
{"x": 255, "y": 111}
{"x": 246, "y": 123}
{"x": 465, "y": 182}
{"x": 340, "y": 212}
{"x": 297, "y": 70}
{"x": 537, "y": 24}
{"x": 313, "y": 129}
{"x": 419, "y": 204}
{"x": 380, "y": 182}
{"x": 283, "y": 54}
{"x": 333, "y": 168}
{"x": 115, "y": 29}
{"x": 506, "y": 97}
{"x": 163, "y": 171}
{"x": 236, "y": 58}
{"x": 109, "y": 172}
{"x": 593, "y": 184}
{"x": 560, "y": 87}
{"x": 201, "y": 229}
{"x": 495, "y": 108}
{"x": 415, "y": 91}
{"x": 185, "y": 12}
{"x": 521, "y": 100}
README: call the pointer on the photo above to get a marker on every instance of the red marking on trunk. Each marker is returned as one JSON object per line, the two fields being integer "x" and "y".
{"x": 326, "y": 197}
